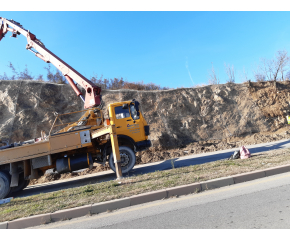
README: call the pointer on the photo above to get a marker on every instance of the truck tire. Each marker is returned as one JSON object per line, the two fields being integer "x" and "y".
{"x": 21, "y": 184}
{"x": 4, "y": 184}
{"x": 128, "y": 159}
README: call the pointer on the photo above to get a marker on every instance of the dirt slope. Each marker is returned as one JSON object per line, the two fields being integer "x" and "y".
{"x": 182, "y": 121}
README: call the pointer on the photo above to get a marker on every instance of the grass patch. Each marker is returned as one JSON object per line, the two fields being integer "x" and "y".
{"x": 105, "y": 191}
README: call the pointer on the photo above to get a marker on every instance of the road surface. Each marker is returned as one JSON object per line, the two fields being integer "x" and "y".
{"x": 262, "y": 203}
{"x": 146, "y": 168}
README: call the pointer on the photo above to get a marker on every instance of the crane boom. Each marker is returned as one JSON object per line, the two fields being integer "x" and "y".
{"x": 92, "y": 96}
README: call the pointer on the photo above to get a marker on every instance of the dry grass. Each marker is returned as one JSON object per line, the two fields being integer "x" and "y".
{"x": 104, "y": 191}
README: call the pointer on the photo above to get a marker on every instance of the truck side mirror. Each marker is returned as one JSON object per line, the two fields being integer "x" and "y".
{"x": 137, "y": 106}
{"x": 125, "y": 106}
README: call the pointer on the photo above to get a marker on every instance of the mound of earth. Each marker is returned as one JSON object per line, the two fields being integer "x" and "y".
{"x": 182, "y": 121}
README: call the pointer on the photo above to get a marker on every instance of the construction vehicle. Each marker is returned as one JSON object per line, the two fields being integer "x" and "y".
{"x": 71, "y": 146}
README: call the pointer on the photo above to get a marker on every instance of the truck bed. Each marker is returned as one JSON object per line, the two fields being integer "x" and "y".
{"x": 53, "y": 144}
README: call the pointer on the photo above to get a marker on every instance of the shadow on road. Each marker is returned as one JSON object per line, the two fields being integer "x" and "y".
{"x": 51, "y": 187}
{"x": 209, "y": 157}
{"x": 165, "y": 165}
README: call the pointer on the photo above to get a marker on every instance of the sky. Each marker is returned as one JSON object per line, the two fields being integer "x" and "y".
{"x": 169, "y": 48}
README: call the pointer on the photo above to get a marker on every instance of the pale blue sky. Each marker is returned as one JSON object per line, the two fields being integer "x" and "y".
{"x": 150, "y": 46}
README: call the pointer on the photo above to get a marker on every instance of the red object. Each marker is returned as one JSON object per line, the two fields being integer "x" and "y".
{"x": 244, "y": 153}
{"x": 92, "y": 98}
{"x": 72, "y": 84}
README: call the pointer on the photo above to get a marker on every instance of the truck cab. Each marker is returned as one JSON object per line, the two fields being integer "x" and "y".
{"x": 130, "y": 123}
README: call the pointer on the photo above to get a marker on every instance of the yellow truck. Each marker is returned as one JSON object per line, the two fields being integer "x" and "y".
{"x": 71, "y": 146}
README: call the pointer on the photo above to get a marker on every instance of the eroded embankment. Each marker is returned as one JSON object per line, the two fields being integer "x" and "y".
{"x": 182, "y": 121}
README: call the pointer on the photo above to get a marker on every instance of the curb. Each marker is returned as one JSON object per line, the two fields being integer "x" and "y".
{"x": 140, "y": 199}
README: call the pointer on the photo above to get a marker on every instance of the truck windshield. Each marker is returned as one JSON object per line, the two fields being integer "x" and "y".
{"x": 134, "y": 112}
{"x": 121, "y": 113}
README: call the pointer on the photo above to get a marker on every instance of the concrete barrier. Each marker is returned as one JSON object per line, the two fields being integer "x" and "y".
{"x": 148, "y": 197}
{"x": 110, "y": 205}
{"x": 244, "y": 177}
{"x": 3, "y": 225}
{"x": 29, "y": 221}
{"x": 183, "y": 190}
{"x": 71, "y": 213}
{"x": 277, "y": 170}
{"x": 217, "y": 183}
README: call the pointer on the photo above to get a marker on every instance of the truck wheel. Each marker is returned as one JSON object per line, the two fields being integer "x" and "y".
{"x": 128, "y": 159}
{"x": 21, "y": 184}
{"x": 4, "y": 184}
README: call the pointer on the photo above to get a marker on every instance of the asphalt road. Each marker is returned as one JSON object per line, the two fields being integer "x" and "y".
{"x": 263, "y": 203}
{"x": 146, "y": 168}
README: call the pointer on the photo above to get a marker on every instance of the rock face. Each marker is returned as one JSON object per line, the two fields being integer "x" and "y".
{"x": 26, "y": 108}
{"x": 176, "y": 117}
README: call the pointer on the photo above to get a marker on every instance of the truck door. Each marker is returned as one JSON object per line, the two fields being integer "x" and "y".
{"x": 128, "y": 122}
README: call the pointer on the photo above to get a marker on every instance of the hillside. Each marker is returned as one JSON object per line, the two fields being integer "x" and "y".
{"x": 182, "y": 121}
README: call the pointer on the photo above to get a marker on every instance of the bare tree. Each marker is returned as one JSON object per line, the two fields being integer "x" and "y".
{"x": 4, "y": 77}
{"x": 282, "y": 62}
{"x": 244, "y": 75}
{"x": 259, "y": 77}
{"x": 40, "y": 78}
{"x": 22, "y": 75}
{"x": 13, "y": 77}
{"x": 266, "y": 69}
{"x": 213, "y": 78}
{"x": 25, "y": 75}
{"x": 274, "y": 69}
{"x": 259, "y": 72}
{"x": 231, "y": 73}
{"x": 287, "y": 76}
{"x": 56, "y": 77}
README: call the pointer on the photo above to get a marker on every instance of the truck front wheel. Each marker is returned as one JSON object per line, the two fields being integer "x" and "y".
{"x": 4, "y": 184}
{"x": 128, "y": 159}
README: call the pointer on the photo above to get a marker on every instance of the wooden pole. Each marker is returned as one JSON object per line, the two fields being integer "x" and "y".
{"x": 116, "y": 153}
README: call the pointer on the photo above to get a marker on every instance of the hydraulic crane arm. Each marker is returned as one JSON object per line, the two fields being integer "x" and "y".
{"x": 92, "y": 98}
